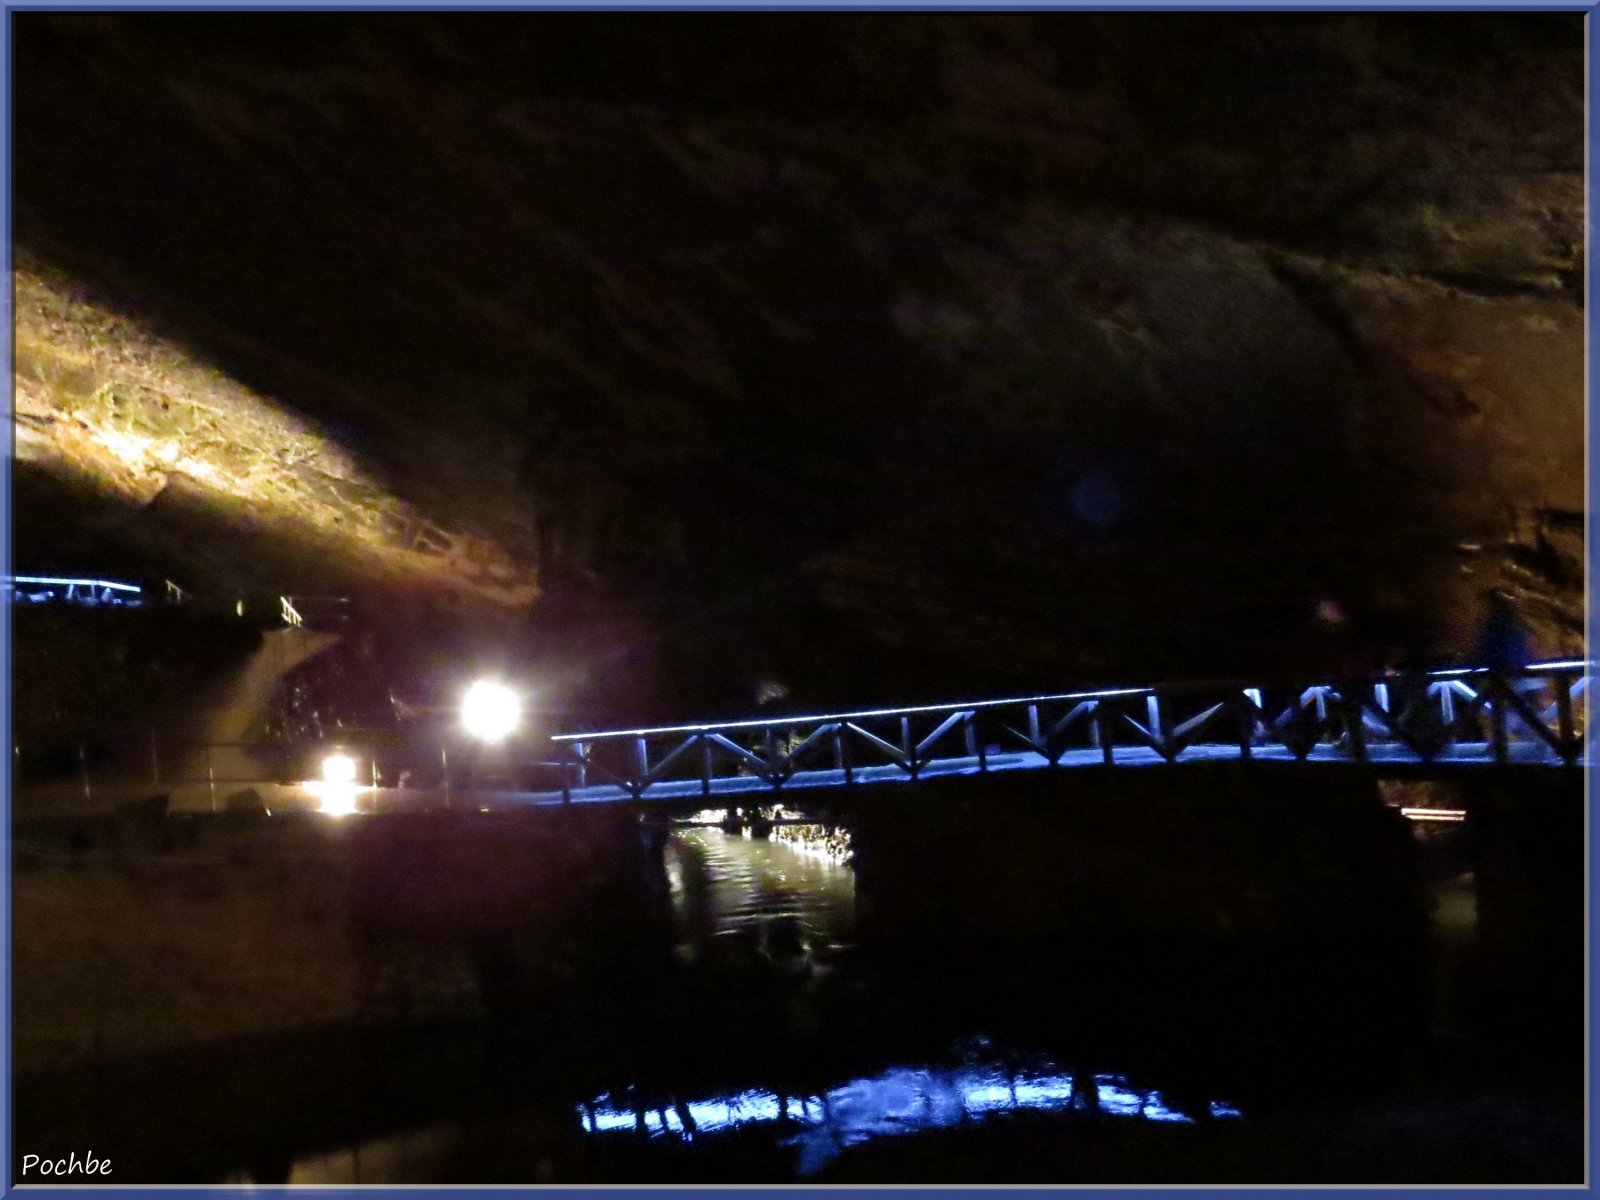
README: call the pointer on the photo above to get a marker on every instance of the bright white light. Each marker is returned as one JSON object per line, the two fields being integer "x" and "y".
{"x": 490, "y": 711}
{"x": 337, "y": 790}
{"x": 339, "y": 768}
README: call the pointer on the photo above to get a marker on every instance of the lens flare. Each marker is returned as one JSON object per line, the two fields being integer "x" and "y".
{"x": 339, "y": 768}
{"x": 490, "y": 711}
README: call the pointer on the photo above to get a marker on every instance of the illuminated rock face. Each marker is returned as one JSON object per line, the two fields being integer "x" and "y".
{"x": 212, "y": 480}
{"x": 979, "y": 349}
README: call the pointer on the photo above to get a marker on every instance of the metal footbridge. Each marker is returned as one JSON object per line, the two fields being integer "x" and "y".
{"x": 1407, "y": 724}
{"x": 1417, "y": 725}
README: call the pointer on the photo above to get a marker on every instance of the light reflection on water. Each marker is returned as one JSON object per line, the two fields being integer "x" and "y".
{"x": 819, "y": 1126}
{"x": 732, "y": 891}
{"x": 898, "y": 1101}
{"x": 751, "y": 884}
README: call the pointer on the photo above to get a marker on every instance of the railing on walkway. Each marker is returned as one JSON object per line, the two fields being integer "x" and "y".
{"x": 90, "y": 593}
{"x": 110, "y": 593}
{"x": 1536, "y": 715}
{"x": 1460, "y": 718}
{"x": 215, "y": 775}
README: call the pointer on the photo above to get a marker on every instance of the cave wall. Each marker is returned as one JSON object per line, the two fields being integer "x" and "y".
{"x": 882, "y": 354}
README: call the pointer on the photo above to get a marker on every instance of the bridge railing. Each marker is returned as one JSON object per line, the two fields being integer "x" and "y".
{"x": 1468, "y": 717}
{"x": 1537, "y": 714}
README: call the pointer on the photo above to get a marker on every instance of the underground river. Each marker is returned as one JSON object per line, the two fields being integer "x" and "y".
{"x": 790, "y": 1052}
{"x": 792, "y": 1019}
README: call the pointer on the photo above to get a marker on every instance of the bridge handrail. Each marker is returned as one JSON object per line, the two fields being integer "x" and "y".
{"x": 808, "y": 718}
{"x": 1173, "y": 688}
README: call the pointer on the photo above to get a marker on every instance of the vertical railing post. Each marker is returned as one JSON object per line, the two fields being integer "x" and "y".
{"x": 769, "y": 751}
{"x": 1245, "y": 709}
{"x": 566, "y": 771}
{"x": 846, "y": 758}
{"x": 1564, "y": 722}
{"x": 1354, "y": 727}
{"x": 581, "y": 754}
{"x": 1380, "y": 701}
{"x": 1442, "y": 695}
{"x": 1034, "y": 735}
{"x": 1584, "y": 685}
{"x": 1497, "y": 717}
{"x": 909, "y": 746}
{"x": 444, "y": 771}
{"x": 705, "y": 764}
{"x": 1107, "y": 739}
{"x": 641, "y": 766}
{"x": 1152, "y": 708}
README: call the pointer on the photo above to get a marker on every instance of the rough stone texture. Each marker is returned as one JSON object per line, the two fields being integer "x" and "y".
{"x": 882, "y": 354}
{"x": 202, "y": 477}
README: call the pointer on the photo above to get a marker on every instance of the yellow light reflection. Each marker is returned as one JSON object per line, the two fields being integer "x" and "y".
{"x": 334, "y": 799}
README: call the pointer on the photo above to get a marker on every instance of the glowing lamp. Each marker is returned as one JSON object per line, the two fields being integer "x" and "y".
{"x": 339, "y": 768}
{"x": 490, "y": 711}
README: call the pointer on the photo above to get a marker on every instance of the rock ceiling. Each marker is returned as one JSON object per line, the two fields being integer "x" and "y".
{"x": 1058, "y": 344}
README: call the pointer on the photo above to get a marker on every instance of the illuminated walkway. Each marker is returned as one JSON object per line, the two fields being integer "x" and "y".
{"x": 1426, "y": 725}
{"x": 1402, "y": 725}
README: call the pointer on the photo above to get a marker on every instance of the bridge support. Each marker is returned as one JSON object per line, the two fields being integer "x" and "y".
{"x": 1525, "y": 835}
{"x": 1053, "y": 848}
{"x": 1300, "y": 881}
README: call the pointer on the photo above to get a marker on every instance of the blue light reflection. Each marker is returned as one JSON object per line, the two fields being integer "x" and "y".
{"x": 900, "y": 1100}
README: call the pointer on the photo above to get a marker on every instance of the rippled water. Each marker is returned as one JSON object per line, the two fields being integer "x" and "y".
{"x": 733, "y": 887}
{"x": 900, "y": 1100}
{"x": 768, "y": 915}
{"x": 896, "y": 1102}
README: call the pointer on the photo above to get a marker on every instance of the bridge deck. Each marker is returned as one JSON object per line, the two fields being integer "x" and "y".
{"x": 1445, "y": 720}
{"x": 1464, "y": 755}
{"x": 1408, "y": 726}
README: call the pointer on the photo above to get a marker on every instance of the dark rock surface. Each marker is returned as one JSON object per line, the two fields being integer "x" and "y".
{"x": 882, "y": 354}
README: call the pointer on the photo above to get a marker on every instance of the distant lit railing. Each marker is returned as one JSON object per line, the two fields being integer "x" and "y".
{"x": 50, "y": 589}
{"x": 92, "y": 593}
{"x": 315, "y": 612}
